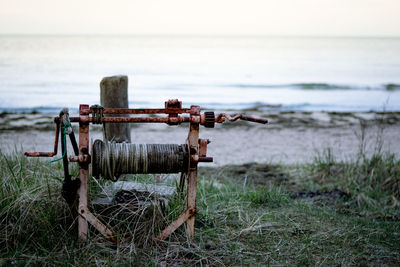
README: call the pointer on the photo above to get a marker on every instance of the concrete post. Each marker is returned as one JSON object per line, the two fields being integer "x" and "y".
{"x": 114, "y": 94}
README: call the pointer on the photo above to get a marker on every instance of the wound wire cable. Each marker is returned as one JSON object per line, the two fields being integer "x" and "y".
{"x": 110, "y": 159}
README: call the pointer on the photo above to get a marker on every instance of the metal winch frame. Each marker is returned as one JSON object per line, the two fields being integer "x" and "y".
{"x": 197, "y": 152}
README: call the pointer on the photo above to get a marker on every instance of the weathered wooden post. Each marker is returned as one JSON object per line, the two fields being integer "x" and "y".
{"x": 114, "y": 94}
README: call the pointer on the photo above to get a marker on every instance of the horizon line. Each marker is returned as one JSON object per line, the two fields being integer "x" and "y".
{"x": 203, "y": 35}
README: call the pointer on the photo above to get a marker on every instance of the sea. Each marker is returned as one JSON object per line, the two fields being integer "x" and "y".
{"x": 40, "y": 73}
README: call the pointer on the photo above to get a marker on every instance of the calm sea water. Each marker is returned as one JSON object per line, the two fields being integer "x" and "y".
{"x": 45, "y": 73}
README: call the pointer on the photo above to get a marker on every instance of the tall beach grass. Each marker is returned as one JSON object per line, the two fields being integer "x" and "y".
{"x": 327, "y": 212}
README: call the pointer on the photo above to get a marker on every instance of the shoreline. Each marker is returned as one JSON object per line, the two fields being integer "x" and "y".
{"x": 289, "y": 138}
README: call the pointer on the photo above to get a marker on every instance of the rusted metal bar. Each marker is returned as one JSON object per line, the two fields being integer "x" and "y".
{"x": 221, "y": 118}
{"x": 146, "y": 119}
{"x": 47, "y": 154}
{"x": 40, "y": 154}
{"x": 203, "y": 147}
{"x": 175, "y": 224}
{"x": 191, "y": 190}
{"x": 83, "y": 159}
{"x": 168, "y": 120}
{"x": 83, "y": 190}
{"x": 145, "y": 111}
{"x": 196, "y": 159}
{"x": 89, "y": 217}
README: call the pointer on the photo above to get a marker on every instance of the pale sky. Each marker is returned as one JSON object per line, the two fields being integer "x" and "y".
{"x": 202, "y": 17}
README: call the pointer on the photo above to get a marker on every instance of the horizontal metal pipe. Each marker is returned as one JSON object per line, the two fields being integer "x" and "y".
{"x": 169, "y": 120}
{"x": 39, "y": 154}
{"x": 206, "y": 159}
{"x": 132, "y": 119}
{"x": 145, "y": 111}
{"x": 145, "y": 119}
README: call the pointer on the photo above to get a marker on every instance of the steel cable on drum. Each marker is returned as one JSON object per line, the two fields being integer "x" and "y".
{"x": 110, "y": 159}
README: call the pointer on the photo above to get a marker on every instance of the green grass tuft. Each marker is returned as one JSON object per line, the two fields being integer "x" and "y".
{"x": 372, "y": 182}
{"x": 268, "y": 197}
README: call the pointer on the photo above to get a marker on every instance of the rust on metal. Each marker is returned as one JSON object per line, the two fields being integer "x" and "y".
{"x": 191, "y": 189}
{"x": 97, "y": 114}
{"x": 173, "y": 103}
{"x": 80, "y": 158}
{"x": 188, "y": 161}
{"x": 173, "y": 118}
{"x": 208, "y": 119}
{"x": 83, "y": 191}
{"x": 146, "y": 120}
{"x": 40, "y": 154}
{"x": 197, "y": 159}
{"x": 89, "y": 217}
{"x": 221, "y": 118}
{"x": 176, "y": 224}
{"x": 145, "y": 111}
{"x": 203, "y": 147}
{"x": 47, "y": 154}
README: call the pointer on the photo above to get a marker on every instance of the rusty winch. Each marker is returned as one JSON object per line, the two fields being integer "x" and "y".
{"x": 109, "y": 159}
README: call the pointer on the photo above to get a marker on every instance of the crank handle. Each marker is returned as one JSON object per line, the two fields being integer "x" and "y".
{"x": 223, "y": 116}
{"x": 253, "y": 119}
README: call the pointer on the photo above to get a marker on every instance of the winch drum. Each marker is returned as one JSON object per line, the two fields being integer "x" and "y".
{"x": 110, "y": 160}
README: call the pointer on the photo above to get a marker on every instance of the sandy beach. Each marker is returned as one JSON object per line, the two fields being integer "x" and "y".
{"x": 289, "y": 138}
